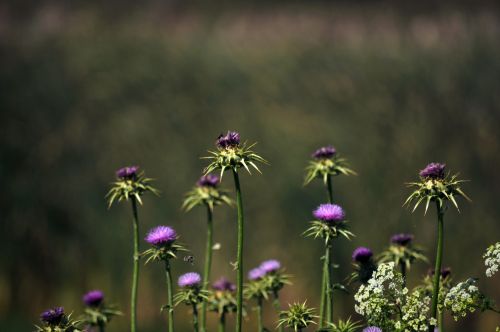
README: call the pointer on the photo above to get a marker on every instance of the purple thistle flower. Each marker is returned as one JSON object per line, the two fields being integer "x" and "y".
{"x": 209, "y": 180}
{"x": 402, "y": 239}
{"x": 255, "y": 274}
{"x": 53, "y": 316}
{"x": 325, "y": 152}
{"x": 190, "y": 279}
{"x": 93, "y": 298}
{"x": 433, "y": 171}
{"x": 445, "y": 272}
{"x": 372, "y": 329}
{"x": 270, "y": 266}
{"x": 127, "y": 173}
{"x": 231, "y": 139}
{"x": 161, "y": 235}
{"x": 224, "y": 285}
{"x": 362, "y": 254}
{"x": 329, "y": 213}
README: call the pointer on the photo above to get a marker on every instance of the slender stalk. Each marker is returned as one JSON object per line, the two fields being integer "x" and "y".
{"x": 101, "y": 327}
{"x": 222, "y": 323}
{"x": 208, "y": 264}
{"x": 329, "y": 284}
{"x": 277, "y": 306}
{"x": 239, "y": 275}
{"x": 195, "y": 318}
{"x": 326, "y": 275}
{"x": 135, "y": 274}
{"x": 437, "y": 268}
{"x": 441, "y": 321}
{"x": 329, "y": 188}
{"x": 260, "y": 327}
{"x": 403, "y": 273}
{"x": 170, "y": 296}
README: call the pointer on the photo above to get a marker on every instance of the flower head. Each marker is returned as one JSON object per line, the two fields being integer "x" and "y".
{"x": 445, "y": 272}
{"x": 231, "y": 139}
{"x": 297, "y": 317}
{"x": 161, "y": 235}
{"x": 128, "y": 172}
{"x": 362, "y": 254}
{"x": 53, "y": 317}
{"x": 433, "y": 171}
{"x": 256, "y": 273}
{"x": 93, "y": 298}
{"x": 208, "y": 180}
{"x": 325, "y": 152}
{"x": 190, "y": 280}
{"x": 270, "y": 266}
{"x": 222, "y": 284}
{"x": 329, "y": 213}
{"x": 372, "y": 329}
{"x": 402, "y": 239}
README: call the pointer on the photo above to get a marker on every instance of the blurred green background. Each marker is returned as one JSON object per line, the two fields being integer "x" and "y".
{"x": 86, "y": 88}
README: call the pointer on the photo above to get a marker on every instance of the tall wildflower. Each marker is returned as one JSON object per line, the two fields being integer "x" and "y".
{"x": 164, "y": 248}
{"x": 206, "y": 193}
{"x": 403, "y": 252}
{"x": 438, "y": 187}
{"x": 233, "y": 155}
{"x": 325, "y": 164}
{"x": 55, "y": 320}
{"x": 97, "y": 313}
{"x": 131, "y": 185}
{"x": 221, "y": 300}
{"x": 330, "y": 223}
{"x": 191, "y": 294}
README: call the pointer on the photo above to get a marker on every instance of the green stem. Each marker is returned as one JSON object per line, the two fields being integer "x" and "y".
{"x": 208, "y": 264}
{"x": 260, "y": 327}
{"x": 195, "y": 317}
{"x": 329, "y": 285}
{"x": 101, "y": 327}
{"x": 437, "y": 268}
{"x": 326, "y": 277}
{"x": 441, "y": 321}
{"x": 277, "y": 306}
{"x": 403, "y": 273}
{"x": 239, "y": 266}
{"x": 222, "y": 322}
{"x": 329, "y": 187}
{"x": 170, "y": 295}
{"x": 135, "y": 275}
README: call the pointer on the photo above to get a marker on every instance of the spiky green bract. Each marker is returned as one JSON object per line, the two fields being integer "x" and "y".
{"x": 435, "y": 189}
{"x": 163, "y": 253}
{"x": 345, "y": 326}
{"x": 362, "y": 272}
{"x": 256, "y": 289}
{"x": 100, "y": 316}
{"x": 276, "y": 280}
{"x": 191, "y": 296}
{"x": 402, "y": 255}
{"x": 322, "y": 168}
{"x": 125, "y": 188}
{"x": 297, "y": 317}
{"x": 328, "y": 231}
{"x": 205, "y": 195}
{"x": 65, "y": 325}
{"x": 221, "y": 302}
{"x": 233, "y": 158}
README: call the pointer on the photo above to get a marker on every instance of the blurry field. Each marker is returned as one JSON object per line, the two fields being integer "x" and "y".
{"x": 84, "y": 92}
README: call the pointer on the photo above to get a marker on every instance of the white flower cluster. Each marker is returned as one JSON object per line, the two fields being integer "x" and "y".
{"x": 492, "y": 259}
{"x": 380, "y": 298}
{"x": 385, "y": 303}
{"x": 415, "y": 313}
{"x": 462, "y": 298}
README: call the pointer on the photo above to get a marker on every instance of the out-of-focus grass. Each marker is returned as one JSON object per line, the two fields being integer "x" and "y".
{"x": 82, "y": 96}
